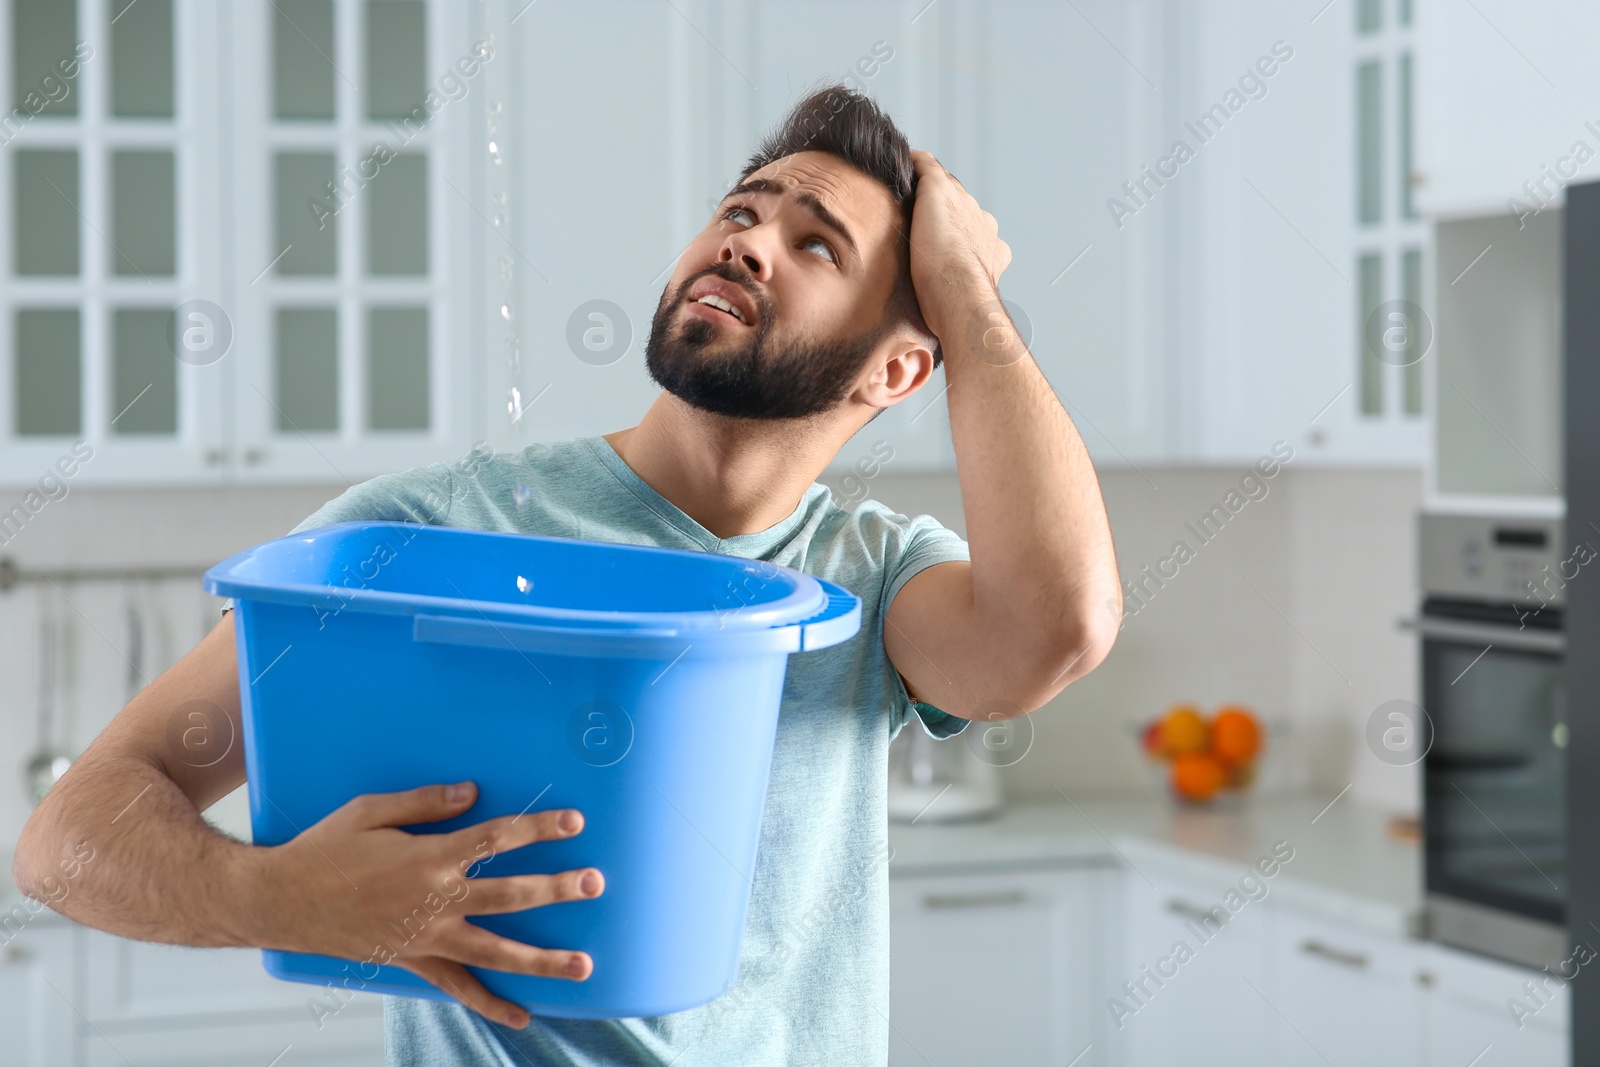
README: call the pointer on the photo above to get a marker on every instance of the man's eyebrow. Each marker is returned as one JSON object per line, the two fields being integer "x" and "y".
{"x": 809, "y": 201}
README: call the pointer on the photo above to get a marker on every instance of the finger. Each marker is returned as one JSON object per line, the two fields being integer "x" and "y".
{"x": 494, "y": 896}
{"x": 506, "y": 832}
{"x": 477, "y": 947}
{"x": 924, "y": 163}
{"x": 428, "y": 803}
{"x": 459, "y": 983}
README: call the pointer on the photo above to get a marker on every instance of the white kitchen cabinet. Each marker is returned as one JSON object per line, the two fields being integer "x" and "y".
{"x": 225, "y": 1041}
{"x": 1343, "y": 996}
{"x": 1469, "y": 1017}
{"x": 1504, "y": 95}
{"x": 359, "y": 304}
{"x": 37, "y": 1020}
{"x": 136, "y": 986}
{"x": 1071, "y": 109}
{"x": 74, "y": 996}
{"x": 996, "y": 967}
{"x": 1498, "y": 374}
{"x": 150, "y": 1005}
{"x": 202, "y": 309}
{"x": 1266, "y": 248}
{"x": 1192, "y": 1006}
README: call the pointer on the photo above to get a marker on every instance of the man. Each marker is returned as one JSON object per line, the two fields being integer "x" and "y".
{"x": 830, "y": 284}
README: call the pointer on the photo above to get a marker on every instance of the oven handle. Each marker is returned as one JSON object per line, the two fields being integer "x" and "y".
{"x": 1487, "y": 633}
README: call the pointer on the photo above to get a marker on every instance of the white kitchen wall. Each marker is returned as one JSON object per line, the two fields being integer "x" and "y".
{"x": 1289, "y": 610}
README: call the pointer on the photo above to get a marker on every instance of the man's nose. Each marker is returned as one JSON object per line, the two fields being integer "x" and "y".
{"x": 746, "y": 249}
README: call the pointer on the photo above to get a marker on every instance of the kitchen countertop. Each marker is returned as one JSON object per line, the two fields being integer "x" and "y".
{"x": 1345, "y": 866}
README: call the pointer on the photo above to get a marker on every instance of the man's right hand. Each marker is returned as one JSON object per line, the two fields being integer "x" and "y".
{"x": 355, "y": 886}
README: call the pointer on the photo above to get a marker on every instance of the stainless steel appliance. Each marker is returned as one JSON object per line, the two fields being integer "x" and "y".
{"x": 948, "y": 781}
{"x": 1494, "y": 776}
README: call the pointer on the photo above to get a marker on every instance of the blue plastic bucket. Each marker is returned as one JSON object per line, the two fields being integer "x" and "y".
{"x": 638, "y": 685}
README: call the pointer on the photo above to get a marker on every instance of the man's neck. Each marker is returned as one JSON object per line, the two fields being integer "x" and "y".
{"x": 732, "y": 476}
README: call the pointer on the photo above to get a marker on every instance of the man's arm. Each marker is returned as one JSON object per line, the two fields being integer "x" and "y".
{"x": 119, "y": 844}
{"x": 1039, "y": 605}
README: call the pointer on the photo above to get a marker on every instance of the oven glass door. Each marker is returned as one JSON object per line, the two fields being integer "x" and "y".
{"x": 1494, "y": 780}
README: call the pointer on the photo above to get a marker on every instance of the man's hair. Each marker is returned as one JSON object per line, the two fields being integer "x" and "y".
{"x": 851, "y": 126}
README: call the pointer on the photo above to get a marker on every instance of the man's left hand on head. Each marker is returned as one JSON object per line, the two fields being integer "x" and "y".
{"x": 957, "y": 255}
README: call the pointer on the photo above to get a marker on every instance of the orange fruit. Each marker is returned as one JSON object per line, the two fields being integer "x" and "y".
{"x": 1241, "y": 776}
{"x": 1197, "y": 776}
{"x": 1235, "y": 736}
{"x": 1150, "y": 739}
{"x": 1183, "y": 729}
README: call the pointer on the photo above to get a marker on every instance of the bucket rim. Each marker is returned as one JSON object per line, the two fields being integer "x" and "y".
{"x": 804, "y": 600}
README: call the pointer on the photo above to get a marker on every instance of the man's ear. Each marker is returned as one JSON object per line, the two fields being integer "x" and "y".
{"x": 905, "y": 367}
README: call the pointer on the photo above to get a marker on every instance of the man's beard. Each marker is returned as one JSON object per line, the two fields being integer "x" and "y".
{"x": 757, "y": 380}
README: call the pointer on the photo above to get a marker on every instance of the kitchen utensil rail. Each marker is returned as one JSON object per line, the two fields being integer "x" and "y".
{"x": 12, "y": 575}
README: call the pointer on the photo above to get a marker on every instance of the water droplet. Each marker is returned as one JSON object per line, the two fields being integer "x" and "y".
{"x": 505, "y": 312}
{"x": 522, "y": 583}
{"x": 521, "y": 493}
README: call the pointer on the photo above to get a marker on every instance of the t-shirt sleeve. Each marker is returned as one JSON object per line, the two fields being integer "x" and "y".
{"x": 421, "y": 495}
{"x": 924, "y": 543}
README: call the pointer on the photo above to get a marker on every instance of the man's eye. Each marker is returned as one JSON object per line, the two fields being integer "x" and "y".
{"x": 828, "y": 250}
{"x": 820, "y": 243}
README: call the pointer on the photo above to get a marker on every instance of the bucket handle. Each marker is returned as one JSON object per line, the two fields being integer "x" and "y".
{"x": 486, "y": 633}
{"x": 838, "y": 621}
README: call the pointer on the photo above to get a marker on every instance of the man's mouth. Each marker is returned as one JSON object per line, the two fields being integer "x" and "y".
{"x": 718, "y": 297}
{"x": 712, "y": 300}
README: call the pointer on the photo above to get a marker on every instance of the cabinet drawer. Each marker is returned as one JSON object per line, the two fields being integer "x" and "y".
{"x": 1483, "y": 1008}
{"x": 1344, "y": 996}
{"x": 994, "y": 968}
{"x": 1180, "y": 991}
{"x": 136, "y": 984}
{"x": 346, "y": 1041}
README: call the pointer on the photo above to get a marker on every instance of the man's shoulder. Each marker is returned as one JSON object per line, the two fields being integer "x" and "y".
{"x": 435, "y": 493}
{"x": 879, "y": 523}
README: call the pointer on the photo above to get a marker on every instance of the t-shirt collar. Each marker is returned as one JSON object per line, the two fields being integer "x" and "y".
{"x": 750, "y": 544}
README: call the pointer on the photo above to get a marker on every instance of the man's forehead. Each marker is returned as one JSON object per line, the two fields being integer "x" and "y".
{"x": 836, "y": 183}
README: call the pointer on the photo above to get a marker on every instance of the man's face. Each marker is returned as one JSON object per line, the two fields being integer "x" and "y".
{"x": 803, "y": 252}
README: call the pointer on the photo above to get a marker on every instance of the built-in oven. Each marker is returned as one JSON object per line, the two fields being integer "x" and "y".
{"x": 1494, "y": 772}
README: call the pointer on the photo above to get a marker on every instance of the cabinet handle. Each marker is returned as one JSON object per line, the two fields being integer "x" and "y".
{"x": 212, "y": 457}
{"x": 1426, "y": 980}
{"x": 974, "y": 900}
{"x": 1333, "y": 955}
{"x": 253, "y": 456}
{"x": 17, "y": 954}
{"x": 1195, "y": 913}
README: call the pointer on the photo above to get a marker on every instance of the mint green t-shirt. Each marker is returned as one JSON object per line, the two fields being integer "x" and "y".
{"x": 813, "y": 983}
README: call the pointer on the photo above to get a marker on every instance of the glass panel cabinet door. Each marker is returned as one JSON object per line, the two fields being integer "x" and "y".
{"x": 355, "y": 141}
{"x": 110, "y": 211}
{"x": 240, "y": 241}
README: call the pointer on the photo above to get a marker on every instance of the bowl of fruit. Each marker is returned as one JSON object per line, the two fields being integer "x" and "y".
{"x": 1206, "y": 755}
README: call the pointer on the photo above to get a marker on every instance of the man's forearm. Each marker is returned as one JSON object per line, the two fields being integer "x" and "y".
{"x": 118, "y": 847}
{"x": 1042, "y": 557}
